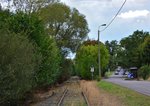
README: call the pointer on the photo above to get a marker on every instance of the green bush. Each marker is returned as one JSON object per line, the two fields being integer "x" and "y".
{"x": 144, "y": 72}
{"x": 32, "y": 28}
{"x": 50, "y": 68}
{"x": 87, "y": 56}
{"x": 18, "y": 62}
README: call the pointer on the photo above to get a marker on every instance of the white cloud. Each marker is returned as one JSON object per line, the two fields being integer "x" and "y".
{"x": 134, "y": 14}
{"x": 98, "y": 12}
{"x": 137, "y": 1}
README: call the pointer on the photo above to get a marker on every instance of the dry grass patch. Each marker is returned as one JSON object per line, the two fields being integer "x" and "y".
{"x": 98, "y": 97}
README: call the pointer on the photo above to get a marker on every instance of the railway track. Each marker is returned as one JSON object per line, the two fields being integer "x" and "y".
{"x": 73, "y": 96}
{"x": 52, "y": 100}
{"x": 70, "y": 95}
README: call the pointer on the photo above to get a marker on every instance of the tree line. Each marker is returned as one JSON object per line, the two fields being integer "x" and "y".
{"x": 34, "y": 43}
{"x": 131, "y": 51}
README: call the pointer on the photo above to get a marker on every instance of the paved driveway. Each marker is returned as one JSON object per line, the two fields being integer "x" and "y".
{"x": 139, "y": 86}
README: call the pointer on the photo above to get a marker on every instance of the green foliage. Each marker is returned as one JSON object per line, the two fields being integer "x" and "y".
{"x": 87, "y": 56}
{"x": 131, "y": 51}
{"x": 131, "y": 48}
{"x": 4, "y": 18}
{"x": 67, "y": 26}
{"x": 18, "y": 62}
{"x": 28, "y": 24}
{"x": 29, "y": 54}
{"x": 67, "y": 70}
{"x": 145, "y": 51}
{"x": 49, "y": 70}
{"x": 31, "y": 27}
{"x": 27, "y": 6}
{"x": 144, "y": 72}
{"x": 114, "y": 49}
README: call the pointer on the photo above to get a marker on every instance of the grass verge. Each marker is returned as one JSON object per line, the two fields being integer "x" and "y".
{"x": 127, "y": 96}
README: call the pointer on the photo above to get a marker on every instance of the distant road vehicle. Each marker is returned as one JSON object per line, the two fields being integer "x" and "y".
{"x": 116, "y": 73}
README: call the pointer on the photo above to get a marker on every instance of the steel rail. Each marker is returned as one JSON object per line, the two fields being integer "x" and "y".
{"x": 86, "y": 99}
{"x": 61, "y": 99}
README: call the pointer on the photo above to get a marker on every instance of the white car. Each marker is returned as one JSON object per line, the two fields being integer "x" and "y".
{"x": 116, "y": 73}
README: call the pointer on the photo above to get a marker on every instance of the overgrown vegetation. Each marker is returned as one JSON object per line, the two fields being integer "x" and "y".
{"x": 32, "y": 57}
{"x": 18, "y": 62}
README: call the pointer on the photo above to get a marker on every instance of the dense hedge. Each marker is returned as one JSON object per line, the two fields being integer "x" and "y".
{"x": 50, "y": 68}
{"x": 18, "y": 62}
{"x": 29, "y": 58}
{"x": 34, "y": 30}
{"x": 29, "y": 55}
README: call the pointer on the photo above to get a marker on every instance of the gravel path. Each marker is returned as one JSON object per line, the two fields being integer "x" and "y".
{"x": 139, "y": 86}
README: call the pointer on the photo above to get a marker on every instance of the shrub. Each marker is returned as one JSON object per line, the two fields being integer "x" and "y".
{"x": 87, "y": 56}
{"x": 18, "y": 62}
{"x": 34, "y": 30}
{"x": 49, "y": 69}
{"x": 144, "y": 72}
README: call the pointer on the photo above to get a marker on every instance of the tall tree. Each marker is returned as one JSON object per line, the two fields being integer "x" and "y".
{"x": 114, "y": 51}
{"x": 31, "y": 27}
{"x": 87, "y": 56}
{"x": 145, "y": 51}
{"x": 67, "y": 26}
{"x": 130, "y": 45}
{"x": 27, "y": 5}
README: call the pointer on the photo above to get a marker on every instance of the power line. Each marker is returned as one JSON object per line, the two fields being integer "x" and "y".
{"x": 114, "y": 16}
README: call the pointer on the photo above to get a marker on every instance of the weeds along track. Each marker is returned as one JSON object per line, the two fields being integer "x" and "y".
{"x": 74, "y": 96}
{"x": 52, "y": 100}
{"x": 70, "y": 94}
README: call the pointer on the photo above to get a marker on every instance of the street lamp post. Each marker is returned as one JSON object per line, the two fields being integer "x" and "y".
{"x": 99, "y": 66}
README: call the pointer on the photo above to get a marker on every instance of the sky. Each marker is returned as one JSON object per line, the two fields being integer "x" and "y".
{"x": 135, "y": 15}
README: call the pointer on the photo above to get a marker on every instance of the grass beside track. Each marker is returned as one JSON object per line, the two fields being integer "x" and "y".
{"x": 127, "y": 96}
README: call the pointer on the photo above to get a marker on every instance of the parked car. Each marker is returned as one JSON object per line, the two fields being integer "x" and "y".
{"x": 131, "y": 75}
{"x": 126, "y": 73}
{"x": 116, "y": 73}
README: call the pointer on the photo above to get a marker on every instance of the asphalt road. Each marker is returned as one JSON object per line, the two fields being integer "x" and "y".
{"x": 139, "y": 86}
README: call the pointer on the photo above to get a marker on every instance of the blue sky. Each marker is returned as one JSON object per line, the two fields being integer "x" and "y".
{"x": 135, "y": 15}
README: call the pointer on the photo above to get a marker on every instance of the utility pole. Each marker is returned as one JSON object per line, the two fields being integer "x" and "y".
{"x": 99, "y": 63}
